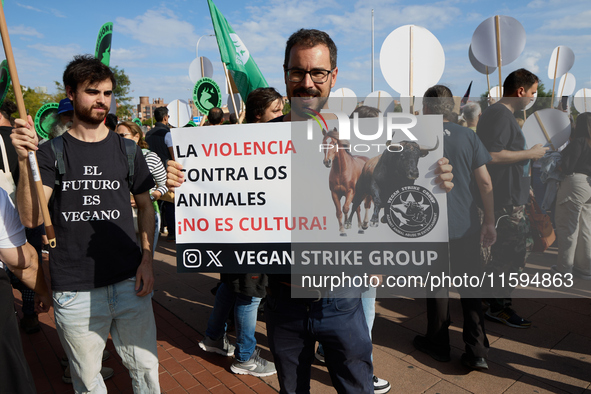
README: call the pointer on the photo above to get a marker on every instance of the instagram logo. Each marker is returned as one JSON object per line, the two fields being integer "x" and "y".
{"x": 192, "y": 258}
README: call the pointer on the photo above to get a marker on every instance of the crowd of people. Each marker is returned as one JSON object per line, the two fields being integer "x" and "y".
{"x": 107, "y": 184}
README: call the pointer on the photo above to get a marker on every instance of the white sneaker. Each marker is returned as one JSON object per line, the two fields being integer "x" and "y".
{"x": 380, "y": 386}
{"x": 255, "y": 366}
{"x": 221, "y": 346}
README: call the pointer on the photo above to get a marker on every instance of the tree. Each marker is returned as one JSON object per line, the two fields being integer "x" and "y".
{"x": 121, "y": 94}
{"x": 60, "y": 92}
{"x": 33, "y": 100}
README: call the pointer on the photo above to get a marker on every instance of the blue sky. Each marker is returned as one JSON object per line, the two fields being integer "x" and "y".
{"x": 154, "y": 42}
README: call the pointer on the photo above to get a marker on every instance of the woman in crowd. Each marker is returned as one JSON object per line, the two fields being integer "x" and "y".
{"x": 573, "y": 203}
{"x": 263, "y": 104}
{"x": 132, "y": 131}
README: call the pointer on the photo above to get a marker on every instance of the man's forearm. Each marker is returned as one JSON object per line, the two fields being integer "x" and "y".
{"x": 146, "y": 221}
{"x": 509, "y": 157}
{"x": 23, "y": 263}
{"x": 486, "y": 193}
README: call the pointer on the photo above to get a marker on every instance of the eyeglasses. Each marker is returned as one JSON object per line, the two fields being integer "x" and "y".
{"x": 317, "y": 76}
{"x": 124, "y": 134}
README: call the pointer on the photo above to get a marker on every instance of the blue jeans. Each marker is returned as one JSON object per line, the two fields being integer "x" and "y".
{"x": 245, "y": 312}
{"x": 294, "y": 326}
{"x": 84, "y": 320}
{"x": 368, "y": 302}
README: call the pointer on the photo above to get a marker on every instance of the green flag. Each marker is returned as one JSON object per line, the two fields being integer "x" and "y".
{"x": 103, "y": 43}
{"x": 235, "y": 55}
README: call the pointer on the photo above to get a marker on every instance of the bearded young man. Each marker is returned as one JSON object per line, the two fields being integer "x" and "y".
{"x": 102, "y": 282}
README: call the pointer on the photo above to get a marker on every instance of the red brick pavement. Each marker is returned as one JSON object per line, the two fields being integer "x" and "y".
{"x": 184, "y": 367}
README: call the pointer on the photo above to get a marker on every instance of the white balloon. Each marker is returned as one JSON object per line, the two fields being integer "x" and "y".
{"x": 195, "y": 69}
{"x": 582, "y": 100}
{"x": 566, "y": 59}
{"x": 381, "y": 100}
{"x": 428, "y": 60}
{"x": 179, "y": 113}
{"x": 556, "y": 124}
{"x": 567, "y": 85}
{"x": 343, "y": 100}
{"x": 484, "y": 40}
{"x": 481, "y": 68}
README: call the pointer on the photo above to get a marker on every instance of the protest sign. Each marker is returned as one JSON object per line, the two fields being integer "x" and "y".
{"x": 257, "y": 198}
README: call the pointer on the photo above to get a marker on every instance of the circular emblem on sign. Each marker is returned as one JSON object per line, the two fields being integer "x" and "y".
{"x": 4, "y": 80}
{"x": 45, "y": 119}
{"x": 206, "y": 95}
{"x": 413, "y": 211}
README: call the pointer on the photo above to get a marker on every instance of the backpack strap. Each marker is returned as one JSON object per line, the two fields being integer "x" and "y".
{"x": 57, "y": 145}
{"x": 130, "y": 149}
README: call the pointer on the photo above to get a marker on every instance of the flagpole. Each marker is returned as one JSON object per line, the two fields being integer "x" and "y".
{"x": 230, "y": 88}
{"x": 20, "y": 102}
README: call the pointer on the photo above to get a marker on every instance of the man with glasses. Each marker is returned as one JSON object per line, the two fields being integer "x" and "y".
{"x": 294, "y": 325}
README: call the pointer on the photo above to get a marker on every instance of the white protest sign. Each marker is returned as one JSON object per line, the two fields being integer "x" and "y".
{"x": 496, "y": 92}
{"x": 531, "y": 103}
{"x": 257, "y": 197}
{"x": 582, "y": 100}
{"x": 478, "y": 66}
{"x": 412, "y": 60}
{"x": 494, "y": 41}
{"x": 561, "y": 61}
{"x": 196, "y": 67}
{"x": 237, "y": 101}
{"x": 567, "y": 85}
{"x": 343, "y": 100}
{"x": 381, "y": 100}
{"x": 179, "y": 113}
{"x": 549, "y": 127}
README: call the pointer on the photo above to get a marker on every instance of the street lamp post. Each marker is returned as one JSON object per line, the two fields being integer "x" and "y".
{"x": 197, "y": 46}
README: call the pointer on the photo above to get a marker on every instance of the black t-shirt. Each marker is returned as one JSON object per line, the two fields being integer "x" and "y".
{"x": 11, "y": 154}
{"x": 91, "y": 212}
{"x": 466, "y": 153}
{"x": 498, "y": 130}
{"x": 576, "y": 157}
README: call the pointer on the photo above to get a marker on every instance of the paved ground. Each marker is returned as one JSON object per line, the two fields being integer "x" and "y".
{"x": 553, "y": 356}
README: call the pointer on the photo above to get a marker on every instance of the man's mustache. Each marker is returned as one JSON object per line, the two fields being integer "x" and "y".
{"x": 307, "y": 92}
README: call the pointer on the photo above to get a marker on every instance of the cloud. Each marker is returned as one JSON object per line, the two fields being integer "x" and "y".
{"x": 65, "y": 53}
{"x": 53, "y": 11}
{"x": 22, "y": 30}
{"x": 581, "y": 20}
{"x": 57, "y": 13}
{"x": 28, "y": 7}
{"x": 530, "y": 60}
{"x": 121, "y": 56}
{"x": 160, "y": 28}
